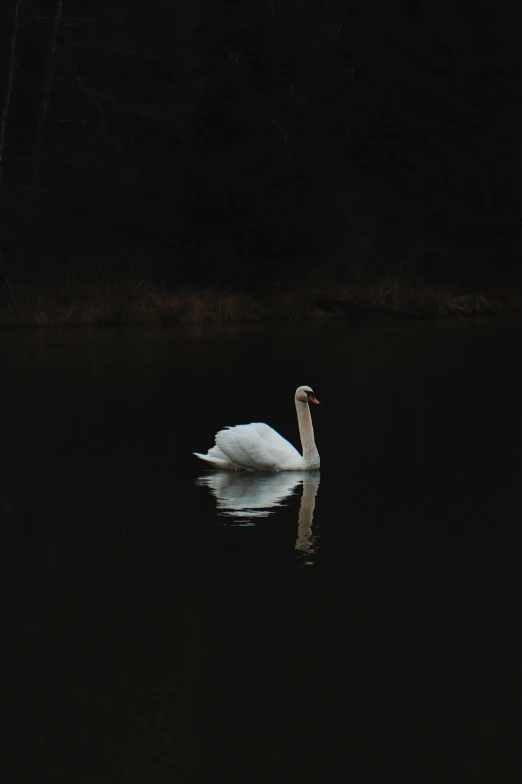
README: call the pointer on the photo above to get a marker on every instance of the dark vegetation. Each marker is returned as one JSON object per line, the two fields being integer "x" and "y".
{"x": 183, "y": 160}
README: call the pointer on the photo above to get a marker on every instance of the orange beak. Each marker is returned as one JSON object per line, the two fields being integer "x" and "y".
{"x": 313, "y": 399}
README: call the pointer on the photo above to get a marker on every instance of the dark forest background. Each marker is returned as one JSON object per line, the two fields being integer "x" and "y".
{"x": 215, "y": 141}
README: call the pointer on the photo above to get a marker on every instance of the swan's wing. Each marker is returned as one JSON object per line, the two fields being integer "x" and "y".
{"x": 273, "y": 438}
{"x": 257, "y": 447}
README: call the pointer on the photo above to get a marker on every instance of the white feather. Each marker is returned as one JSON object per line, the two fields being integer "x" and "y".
{"x": 217, "y": 458}
{"x": 257, "y": 447}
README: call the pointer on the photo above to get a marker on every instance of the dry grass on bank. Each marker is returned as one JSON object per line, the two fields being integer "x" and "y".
{"x": 144, "y": 303}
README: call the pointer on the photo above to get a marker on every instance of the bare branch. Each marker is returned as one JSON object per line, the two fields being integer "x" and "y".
{"x": 9, "y": 87}
{"x": 36, "y": 189}
{"x": 46, "y": 92}
{"x": 3, "y": 123}
{"x": 65, "y": 18}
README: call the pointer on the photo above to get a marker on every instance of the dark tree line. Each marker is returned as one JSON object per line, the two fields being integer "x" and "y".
{"x": 242, "y": 142}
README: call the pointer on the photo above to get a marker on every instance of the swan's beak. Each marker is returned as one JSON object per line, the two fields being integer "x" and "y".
{"x": 313, "y": 399}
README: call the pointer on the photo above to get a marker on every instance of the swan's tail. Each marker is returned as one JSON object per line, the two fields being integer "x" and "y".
{"x": 207, "y": 458}
{"x": 218, "y": 462}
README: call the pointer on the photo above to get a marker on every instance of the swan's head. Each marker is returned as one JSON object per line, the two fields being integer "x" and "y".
{"x": 305, "y": 395}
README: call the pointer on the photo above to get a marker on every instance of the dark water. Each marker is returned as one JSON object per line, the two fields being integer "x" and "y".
{"x": 368, "y": 626}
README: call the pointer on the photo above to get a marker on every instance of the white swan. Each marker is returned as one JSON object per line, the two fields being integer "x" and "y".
{"x": 258, "y": 447}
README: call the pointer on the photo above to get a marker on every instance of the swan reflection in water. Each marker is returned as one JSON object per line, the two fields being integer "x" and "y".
{"x": 247, "y": 496}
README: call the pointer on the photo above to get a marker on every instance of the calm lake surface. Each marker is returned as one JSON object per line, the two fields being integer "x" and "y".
{"x": 165, "y": 623}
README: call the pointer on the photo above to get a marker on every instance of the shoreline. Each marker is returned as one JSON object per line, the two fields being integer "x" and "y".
{"x": 119, "y": 303}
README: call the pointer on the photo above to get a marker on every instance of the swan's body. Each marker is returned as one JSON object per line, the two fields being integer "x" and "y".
{"x": 258, "y": 447}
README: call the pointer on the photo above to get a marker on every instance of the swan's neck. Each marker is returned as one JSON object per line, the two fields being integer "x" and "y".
{"x": 306, "y": 431}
